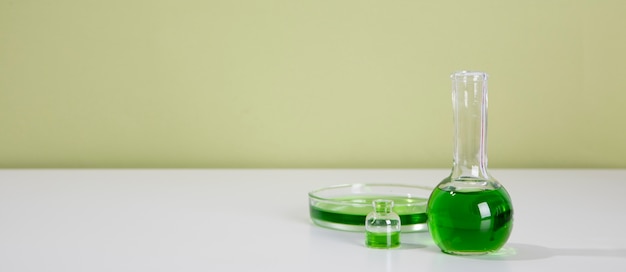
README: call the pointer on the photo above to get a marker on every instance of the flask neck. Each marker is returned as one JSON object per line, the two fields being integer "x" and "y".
{"x": 469, "y": 102}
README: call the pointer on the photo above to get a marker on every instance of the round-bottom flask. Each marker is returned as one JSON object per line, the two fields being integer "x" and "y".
{"x": 470, "y": 212}
{"x": 382, "y": 226}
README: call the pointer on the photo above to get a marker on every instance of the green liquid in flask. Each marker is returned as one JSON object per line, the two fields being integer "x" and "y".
{"x": 382, "y": 240}
{"x": 467, "y": 223}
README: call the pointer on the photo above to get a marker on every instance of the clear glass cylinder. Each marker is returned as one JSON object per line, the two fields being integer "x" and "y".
{"x": 469, "y": 212}
{"x": 382, "y": 225}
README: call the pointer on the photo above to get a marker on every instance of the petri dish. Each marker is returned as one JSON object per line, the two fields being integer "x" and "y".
{"x": 344, "y": 207}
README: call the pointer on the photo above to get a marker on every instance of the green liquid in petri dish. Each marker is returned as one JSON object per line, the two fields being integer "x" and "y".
{"x": 350, "y": 215}
{"x": 468, "y": 223}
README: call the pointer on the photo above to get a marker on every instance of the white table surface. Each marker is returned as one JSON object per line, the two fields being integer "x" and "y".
{"x": 258, "y": 220}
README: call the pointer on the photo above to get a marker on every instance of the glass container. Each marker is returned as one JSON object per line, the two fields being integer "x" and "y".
{"x": 382, "y": 226}
{"x": 469, "y": 212}
{"x": 345, "y": 206}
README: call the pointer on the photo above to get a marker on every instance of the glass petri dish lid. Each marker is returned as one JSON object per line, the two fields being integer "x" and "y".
{"x": 344, "y": 207}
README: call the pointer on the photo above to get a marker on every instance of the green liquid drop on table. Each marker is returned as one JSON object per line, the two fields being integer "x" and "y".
{"x": 467, "y": 223}
{"x": 382, "y": 240}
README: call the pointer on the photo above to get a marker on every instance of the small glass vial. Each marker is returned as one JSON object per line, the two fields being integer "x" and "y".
{"x": 382, "y": 226}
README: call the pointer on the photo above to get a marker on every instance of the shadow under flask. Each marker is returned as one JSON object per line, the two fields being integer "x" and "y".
{"x": 469, "y": 212}
{"x": 382, "y": 226}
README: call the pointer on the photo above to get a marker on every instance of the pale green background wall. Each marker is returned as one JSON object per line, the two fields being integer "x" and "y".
{"x": 284, "y": 83}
